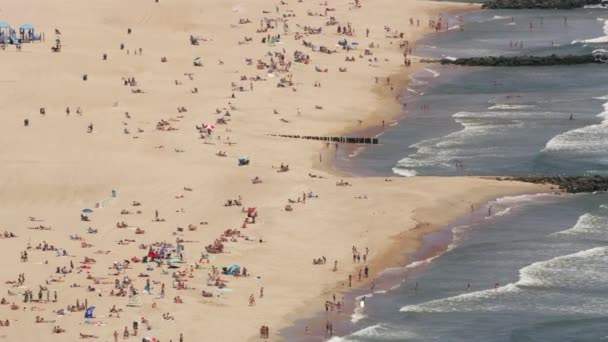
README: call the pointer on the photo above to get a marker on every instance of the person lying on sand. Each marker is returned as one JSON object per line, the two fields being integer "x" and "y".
{"x": 83, "y": 336}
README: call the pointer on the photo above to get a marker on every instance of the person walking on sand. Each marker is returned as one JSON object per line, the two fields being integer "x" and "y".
{"x": 115, "y": 335}
{"x": 490, "y": 210}
{"x": 156, "y": 215}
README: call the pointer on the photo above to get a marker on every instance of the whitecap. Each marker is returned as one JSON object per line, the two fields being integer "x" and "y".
{"x": 589, "y": 139}
{"x": 522, "y": 199}
{"x": 404, "y": 172}
{"x": 357, "y": 315}
{"x": 598, "y": 40}
{"x": 585, "y": 225}
{"x": 582, "y": 270}
{"x": 509, "y": 106}
{"x": 433, "y": 72}
{"x": 457, "y": 303}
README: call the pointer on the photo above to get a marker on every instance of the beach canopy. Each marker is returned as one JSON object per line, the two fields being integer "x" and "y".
{"x": 27, "y": 27}
{"x": 87, "y": 210}
{"x": 89, "y": 312}
{"x": 4, "y": 24}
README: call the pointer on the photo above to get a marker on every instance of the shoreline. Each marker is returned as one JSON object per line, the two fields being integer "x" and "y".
{"x": 389, "y": 100}
{"x": 399, "y": 255}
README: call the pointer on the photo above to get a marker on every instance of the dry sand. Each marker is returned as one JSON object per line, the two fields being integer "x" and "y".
{"x": 53, "y": 169}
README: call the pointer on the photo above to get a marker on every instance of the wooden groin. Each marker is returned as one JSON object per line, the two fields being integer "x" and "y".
{"x": 343, "y": 140}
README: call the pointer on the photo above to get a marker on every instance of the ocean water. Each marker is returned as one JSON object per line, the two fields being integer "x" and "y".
{"x": 523, "y": 268}
{"x": 538, "y": 271}
{"x": 518, "y": 121}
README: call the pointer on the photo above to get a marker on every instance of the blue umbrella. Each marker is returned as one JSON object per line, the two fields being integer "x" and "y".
{"x": 26, "y": 27}
{"x": 4, "y": 25}
{"x": 87, "y": 210}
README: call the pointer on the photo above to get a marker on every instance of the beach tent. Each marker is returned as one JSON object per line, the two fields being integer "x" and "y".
{"x": 232, "y": 269}
{"x": 89, "y": 312}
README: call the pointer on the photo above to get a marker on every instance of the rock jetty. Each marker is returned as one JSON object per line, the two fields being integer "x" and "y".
{"x": 571, "y": 184}
{"x": 539, "y": 4}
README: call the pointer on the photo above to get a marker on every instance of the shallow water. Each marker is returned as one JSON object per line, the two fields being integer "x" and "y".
{"x": 538, "y": 272}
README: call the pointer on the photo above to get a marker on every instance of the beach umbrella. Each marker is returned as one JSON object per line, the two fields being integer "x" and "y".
{"x": 87, "y": 210}
{"x": 27, "y": 27}
{"x": 211, "y": 127}
{"x": 175, "y": 260}
{"x": 197, "y": 59}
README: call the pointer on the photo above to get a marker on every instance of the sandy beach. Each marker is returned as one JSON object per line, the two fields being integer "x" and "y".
{"x": 125, "y": 173}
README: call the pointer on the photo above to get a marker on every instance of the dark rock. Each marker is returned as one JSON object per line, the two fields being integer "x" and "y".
{"x": 544, "y": 4}
{"x": 571, "y": 184}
